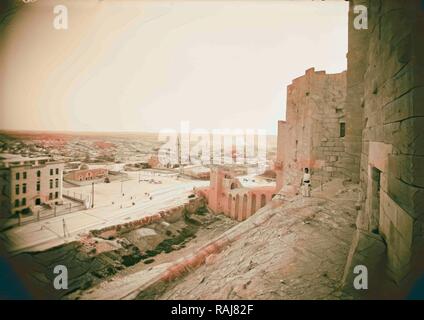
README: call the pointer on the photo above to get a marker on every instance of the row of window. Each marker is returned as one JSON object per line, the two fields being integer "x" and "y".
{"x": 51, "y": 171}
{"x": 24, "y": 174}
{"x": 23, "y": 201}
{"x": 24, "y": 188}
{"x": 56, "y": 183}
{"x": 18, "y": 175}
{"x": 56, "y": 195}
{"x": 20, "y": 203}
{"x": 38, "y": 187}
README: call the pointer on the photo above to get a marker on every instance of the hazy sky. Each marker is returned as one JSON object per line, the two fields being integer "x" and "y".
{"x": 147, "y": 65}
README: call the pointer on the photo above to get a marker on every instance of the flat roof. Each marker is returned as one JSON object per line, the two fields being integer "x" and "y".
{"x": 18, "y": 160}
{"x": 8, "y": 157}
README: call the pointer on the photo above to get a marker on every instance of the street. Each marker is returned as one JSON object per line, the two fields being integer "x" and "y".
{"x": 51, "y": 232}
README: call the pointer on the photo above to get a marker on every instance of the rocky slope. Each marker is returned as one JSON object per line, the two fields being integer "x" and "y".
{"x": 299, "y": 252}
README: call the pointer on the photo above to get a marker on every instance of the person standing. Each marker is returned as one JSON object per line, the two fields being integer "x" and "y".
{"x": 306, "y": 183}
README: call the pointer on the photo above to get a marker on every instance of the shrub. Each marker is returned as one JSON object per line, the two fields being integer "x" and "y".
{"x": 149, "y": 261}
{"x": 202, "y": 210}
{"x": 87, "y": 284}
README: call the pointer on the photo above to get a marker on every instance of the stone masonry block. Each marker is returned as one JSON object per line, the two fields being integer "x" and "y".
{"x": 409, "y": 169}
{"x": 408, "y": 137}
{"x": 405, "y": 225}
{"x": 406, "y": 106}
{"x": 409, "y": 198}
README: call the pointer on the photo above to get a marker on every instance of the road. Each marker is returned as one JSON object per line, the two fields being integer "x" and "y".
{"x": 48, "y": 233}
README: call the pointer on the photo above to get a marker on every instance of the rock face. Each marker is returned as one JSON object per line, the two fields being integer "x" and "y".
{"x": 84, "y": 269}
{"x": 313, "y": 134}
{"x": 385, "y": 100}
{"x": 293, "y": 252}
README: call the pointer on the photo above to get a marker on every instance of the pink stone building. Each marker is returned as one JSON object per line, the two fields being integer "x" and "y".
{"x": 228, "y": 196}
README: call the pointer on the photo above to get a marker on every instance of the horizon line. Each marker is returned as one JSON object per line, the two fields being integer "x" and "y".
{"x": 6, "y": 131}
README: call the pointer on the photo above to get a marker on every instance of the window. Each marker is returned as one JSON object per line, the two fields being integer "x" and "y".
{"x": 50, "y": 196}
{"x": 51, "y": 183}
{"x": 37, "y": 201}
{"x": 57, "y": 170}
{"x": 56, "y": 195}
{"x": 24, "y": 201}
{"x": 24, "y": 186}
{"x": 16, "y": 203}
{"x": 38, "y": 173}
{"x": 57, "y": 183}
{"x": 17, "y": 189}
{"x": 38, "y": 185}
{"x": 24, "y": 175}
{"x": 51, "y": 172}
{"x": 17, "y": 175}
{"x": 342, "y": 129}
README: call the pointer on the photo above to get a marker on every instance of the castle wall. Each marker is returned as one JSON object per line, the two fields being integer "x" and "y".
{"x": 311, "y": 135}
{"x": 389, "y": 58}
{"x": 358, "y": 42}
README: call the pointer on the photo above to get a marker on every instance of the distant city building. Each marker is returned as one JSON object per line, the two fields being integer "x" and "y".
{"x": 26, "y": 183}
{"x": 72, "y": 165}
{"x": 87, "y": 175}
{"x": 136, "y": 166}
{"x": 197, "y": 172}
{"x": 155, "y": 163}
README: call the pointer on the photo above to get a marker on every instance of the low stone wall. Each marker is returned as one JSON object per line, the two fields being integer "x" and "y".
{"x": 82, "y": 201}
{"x": 170, "y": 215}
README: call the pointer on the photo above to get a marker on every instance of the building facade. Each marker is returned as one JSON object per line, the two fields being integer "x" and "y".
{"x": 26, "y": 183}
{"x": 384, "y": 103}
{"x": 87, "y": 175}
{"x": 312, "y": 136}
{"x": 227, "y": 195}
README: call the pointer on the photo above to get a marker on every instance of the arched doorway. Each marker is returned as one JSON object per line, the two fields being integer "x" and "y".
{"x": 244, "y": 208}
{"x": 253, "y": 205}
{"x": 237, "y": 209}
{"x": 263, "y": 200}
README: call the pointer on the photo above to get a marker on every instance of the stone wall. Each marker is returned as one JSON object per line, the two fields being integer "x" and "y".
{"x": 386, "y": 88}
{"x": 169, "y": 215}
{"x": 311, "y": 135}
{"x": 358, "y": 42}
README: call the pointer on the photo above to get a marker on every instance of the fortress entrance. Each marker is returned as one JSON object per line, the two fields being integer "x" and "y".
{"x": 375, "y": 199}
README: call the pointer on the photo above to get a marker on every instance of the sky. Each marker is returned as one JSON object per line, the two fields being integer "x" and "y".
{"x": 148, "y": 65}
